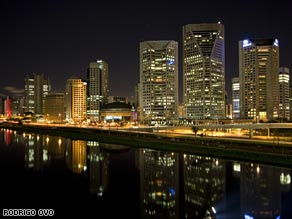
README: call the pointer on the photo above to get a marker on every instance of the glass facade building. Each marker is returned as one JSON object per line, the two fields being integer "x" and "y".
{"x": 36, "y": 88}
{"x": 75, "y": 100}
{"x": 97, "y": 88}
{"x": 284, "y": 89}
{"x": 259, "y": 79}
{"x": 158, "y": 81}
{"x": 204, "y": 71}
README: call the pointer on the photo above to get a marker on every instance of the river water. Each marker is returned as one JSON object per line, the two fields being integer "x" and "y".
{"x": 88, "y": 179}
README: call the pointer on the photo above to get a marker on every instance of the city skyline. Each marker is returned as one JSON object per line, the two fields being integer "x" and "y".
{"x": 60, "y": 38}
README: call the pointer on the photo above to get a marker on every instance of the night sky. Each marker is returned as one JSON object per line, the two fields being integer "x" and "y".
{"x": 59, "y": 38}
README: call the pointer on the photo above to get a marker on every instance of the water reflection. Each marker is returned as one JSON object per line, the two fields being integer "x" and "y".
{"x": 171, "y": 185}
{"x": 204, "y": 186}
{"x": 98, "y": 168}
{"x": 78, "y": 156}
{"x": 159, "y": 184}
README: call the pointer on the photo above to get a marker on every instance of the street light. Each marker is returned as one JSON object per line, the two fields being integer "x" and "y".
{"x": 59, "y": 119}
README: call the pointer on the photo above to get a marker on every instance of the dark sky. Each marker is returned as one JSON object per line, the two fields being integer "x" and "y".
{"x": 59, "y": 38}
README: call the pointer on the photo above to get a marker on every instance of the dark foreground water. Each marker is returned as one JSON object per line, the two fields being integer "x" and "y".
{"x": 93, "y": 180}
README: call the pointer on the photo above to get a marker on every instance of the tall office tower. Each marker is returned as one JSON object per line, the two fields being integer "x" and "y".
{"x": 284, "y": 84}
{"x": 54, "y": 107}
{"x": 235, "y": 98}
{"x": 204, "y": 71}
{"x": 158, "y": 81}
{"x": 136, "y": 95}
{"x": 75, "y": 100}
{"x": 37, "y": 87}
{"x": 259, "y": 79}
{"x": 97, "y": 88}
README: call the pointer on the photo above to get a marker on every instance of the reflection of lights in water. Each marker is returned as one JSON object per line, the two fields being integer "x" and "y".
{"x": 258, "y": 169}
{"x": 185, "y": 155}
{"x": 285, "y": 179}
{"x": 47, "y": 139}
{"x": 236, "y": 167}
{"x": 217, "y": 162}
{"x": 213, "y": 209}
{"x": 59, "y": 141}
{"x": 210, "y": 213}
{"x": 171, "y": 192}
{"x": 100, "y": 191}
{"x": 38, "y": 137}
{"x": 45, "y": 155}
{"x": 246, "y": 216}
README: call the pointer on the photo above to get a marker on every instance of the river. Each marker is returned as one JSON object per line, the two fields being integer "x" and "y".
{"x": 64, "y": 177}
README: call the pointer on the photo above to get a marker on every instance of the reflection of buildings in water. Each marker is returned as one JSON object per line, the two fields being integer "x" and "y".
{"x": 8, "y": 136}
{"x": 98, "y": 168}
{"x": 285, "y": 180}
{"x": 76, "y": 155}
{"x": 260, "y": 191}
{"x": 56, "y": 147}
{"x": 159, "y": 181}
{"x": 36, "y": 151}
{"x": 204, "y": 185}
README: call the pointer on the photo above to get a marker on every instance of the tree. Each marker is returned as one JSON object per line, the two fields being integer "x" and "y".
{"x": 195, "y": 129}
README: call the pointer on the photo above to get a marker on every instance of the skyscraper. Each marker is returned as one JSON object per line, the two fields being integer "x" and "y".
{"x": 284, "y": 89}
{"x": 158, "y": 81}
{"x": 235, "y": 98}
{"x": 75, "y": 100}
{"x": 259, "y": 79}
{"x": 37, "y": 87}
{"x": 97, "y": 88}
{"x": 204, "y": 71}
{"x": 54, "y": 107}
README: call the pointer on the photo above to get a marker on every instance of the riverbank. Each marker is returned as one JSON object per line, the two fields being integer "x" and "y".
{"x": 268, "y": 152}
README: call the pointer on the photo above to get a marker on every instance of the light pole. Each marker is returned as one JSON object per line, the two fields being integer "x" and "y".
{"x": 59, "y": 119}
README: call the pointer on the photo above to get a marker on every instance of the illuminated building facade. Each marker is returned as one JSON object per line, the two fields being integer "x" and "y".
{"x": 75, "y": 100}
{"x": 235, "y": 98}
{"x": 36, "y": 88}
{"x": 8, "y": 107}
{"x": 259, "y": 79}
{"x": 159, "y": 184}
{"x": 122, "y": 99}
{"x": 158, "y": 81}
{"x": 97, "y": 88}
{"x": 284, "y": 89}
{"x": 54, "y": 107}
{"x": 116, "y": 112}
{"x": 204, "y": 71}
